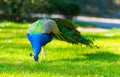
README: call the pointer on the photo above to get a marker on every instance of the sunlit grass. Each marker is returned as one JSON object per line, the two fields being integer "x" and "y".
{"x": 62, "y": 59}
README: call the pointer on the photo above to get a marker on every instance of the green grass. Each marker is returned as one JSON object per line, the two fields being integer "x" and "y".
{"x": 63, "y": 59}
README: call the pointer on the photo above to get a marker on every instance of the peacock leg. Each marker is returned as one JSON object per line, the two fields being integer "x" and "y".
{"x": 43, "y": 53}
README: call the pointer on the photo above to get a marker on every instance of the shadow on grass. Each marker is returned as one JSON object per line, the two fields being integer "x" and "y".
{"x": 17, "y": 36}
{"x": 15, "y": 27}
{"x": 101, "y": 57}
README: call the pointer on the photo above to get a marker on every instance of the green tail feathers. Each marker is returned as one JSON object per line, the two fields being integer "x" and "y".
{"x": 70, "y": 34}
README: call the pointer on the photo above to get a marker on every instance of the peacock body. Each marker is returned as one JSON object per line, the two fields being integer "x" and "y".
{"x": 42, "y": 31}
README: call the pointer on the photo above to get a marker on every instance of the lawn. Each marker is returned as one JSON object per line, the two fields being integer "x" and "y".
{"x": 62, "y": 59}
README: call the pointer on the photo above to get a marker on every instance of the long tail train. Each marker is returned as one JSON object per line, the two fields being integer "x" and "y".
{"x": 70, "y": 34}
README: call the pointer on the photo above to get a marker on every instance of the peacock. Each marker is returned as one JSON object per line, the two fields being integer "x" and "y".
{"x": 42, "y": 32}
